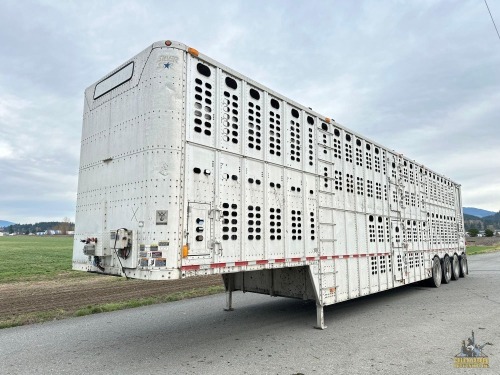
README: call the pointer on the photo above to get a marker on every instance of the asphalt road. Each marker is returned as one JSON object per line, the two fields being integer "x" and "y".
{"x": 409, "y": 330}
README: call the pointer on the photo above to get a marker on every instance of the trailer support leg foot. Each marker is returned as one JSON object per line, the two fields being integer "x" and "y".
{"x": 229, "y": 293}
{"x": 320, "y": 317}
{"x": 229, "y": 301}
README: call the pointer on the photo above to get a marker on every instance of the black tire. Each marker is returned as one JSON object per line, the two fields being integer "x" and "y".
{"x": 464, "y": 267}
{"x": 446, "y": 266}
{"x": 455, "y": 267}
{"x": 437, "y": 274}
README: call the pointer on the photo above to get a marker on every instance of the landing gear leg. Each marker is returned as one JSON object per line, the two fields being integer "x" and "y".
{"x": 229, "y": 293}
{"x": 320, "y": 317}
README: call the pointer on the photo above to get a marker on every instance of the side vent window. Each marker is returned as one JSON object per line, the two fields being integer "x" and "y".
{"x": 113, "y": 81}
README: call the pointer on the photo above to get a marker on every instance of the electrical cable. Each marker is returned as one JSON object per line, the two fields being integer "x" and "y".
{"x": 492, "y": 20}
{"x": 116, "y": 252}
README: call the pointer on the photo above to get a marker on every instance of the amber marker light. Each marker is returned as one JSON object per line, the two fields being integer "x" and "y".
{"x": 185, "y": 251}
{"x": 168, "y": 43}
{"x": 327, "y": 120}
{"x": 193, "y": 51}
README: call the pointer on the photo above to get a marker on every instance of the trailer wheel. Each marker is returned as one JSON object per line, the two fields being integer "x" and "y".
{"x": 464, "y": 267}
{"x": 455, "y": 268}
{"x": 437, "y": 274}
{"x": 446, "y": 266}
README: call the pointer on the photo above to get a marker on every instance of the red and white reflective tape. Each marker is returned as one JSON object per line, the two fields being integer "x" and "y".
{"x": 194, "y": 267}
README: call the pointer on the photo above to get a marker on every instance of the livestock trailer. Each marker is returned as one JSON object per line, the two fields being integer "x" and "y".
{"x": 189, "y": 168}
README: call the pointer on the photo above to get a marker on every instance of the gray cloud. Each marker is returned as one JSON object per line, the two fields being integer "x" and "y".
{"x": 420, "y": 77}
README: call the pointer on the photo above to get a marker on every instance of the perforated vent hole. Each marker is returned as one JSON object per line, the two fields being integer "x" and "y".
{"x": 254, "y": 94}
{"x": 203, "y": 70}
{"x": 231, "y": 83}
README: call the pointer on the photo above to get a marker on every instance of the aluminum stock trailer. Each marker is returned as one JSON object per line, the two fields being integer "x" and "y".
{"x": 189, "y": 168}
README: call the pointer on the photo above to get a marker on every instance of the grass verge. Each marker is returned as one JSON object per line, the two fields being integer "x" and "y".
{"x": 473, "y": 250}
{"x": 45, "y": 316}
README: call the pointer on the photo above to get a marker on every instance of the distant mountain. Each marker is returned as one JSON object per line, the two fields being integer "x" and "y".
{"x": 492, "y": 220}
{"x": 471, "y": 217}
{"x": 481, "y": 223}
{"x": 4, "y": 224}
{"x": 477, "y": 212}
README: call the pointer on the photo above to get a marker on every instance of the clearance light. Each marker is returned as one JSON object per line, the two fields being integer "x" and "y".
{"x": 168, "y": 43}
{"x": 185, "y": 251}
{"x": 193, "y": 51}
{"x": 327, "y": 120}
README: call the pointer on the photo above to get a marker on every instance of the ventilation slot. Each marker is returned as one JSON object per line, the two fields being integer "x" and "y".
{"x": 310, "y": 121}
{"x": 378, "y": 190}
{"x": 229, "y": 221}
{"x": 349, "y": 183}
{"x": 294, "y": 139}
{"x": 380, "y": 229}
{"x": 371, "y": 229}
{"x": 374, "y": 266}
{"x": 275, "y": 222}
{"x": 348, "y": 151}
{"x": 360, "y": 190}
{"x": 203, "y": 110}
{"x": 369, "y": 188}
{"x": 254, "y": 223}
{"x": 254, "y": 122}
{"x": 338, "y": 180}
{"x": 296, "y": 229}
{"x": 230, "y": 130}
{"x": 274, "y": 131}
{"x": 313, "y": 226}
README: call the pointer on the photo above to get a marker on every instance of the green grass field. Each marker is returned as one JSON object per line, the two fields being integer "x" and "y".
{"x": 32, "y": 258}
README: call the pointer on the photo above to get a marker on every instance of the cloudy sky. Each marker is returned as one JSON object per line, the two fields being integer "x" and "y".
{"x": 421, "y": 77}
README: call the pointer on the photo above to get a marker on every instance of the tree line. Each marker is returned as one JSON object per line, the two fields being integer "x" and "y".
{"x": 63, "y": 227}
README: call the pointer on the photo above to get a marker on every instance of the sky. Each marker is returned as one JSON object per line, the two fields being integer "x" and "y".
{"x": 421, "y": 77}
